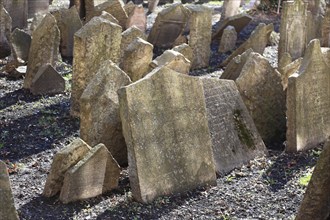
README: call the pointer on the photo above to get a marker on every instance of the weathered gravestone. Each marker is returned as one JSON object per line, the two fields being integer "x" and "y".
{"x": 308, "y": 102}
{"x": 169, "y": 25}
{"x": 288, "y": 70}
{"x": 7, "y": 204}
{"x": 185, "y": 50}
{"x": 313, "y": 26}
{"x": 325, "y": 29}
{"x": 129, "y": 7}
{"x": 44, "y": 47}
{"x": 230, "y": 8}
{"x": 63, "y": 160}
{"x": 21, "y": 42}
{"x": 200, "y": 23}
{"x": 128, "y": 36}
{"x": 257, "y": 42}
{"x": 172, "y": 60}
{"x": 167, "y": 135}
{"x": 37, "y": 6}
{"x": 69, "y": 23}
{"x": 96, "y": 173}
{"x": 293, "y": 29}
{"x": 47, "y": 81}
{"x": 89, "y": 7}
{"x": 262, "y": 92}
{"x": 137, "y": 18}
{"x": 80, "y": 6}
{"x": 91, "y": 47}
{"x": 316, "y": 202}
{"x": 99, "y": 114}
{"x": 136, "y": 60}
{"x": 235, "y": 139}
{"x": 18, "y": 11}
{"x": 5, "y": 32}
{"x": 228, "y": 40}
{"x": 109, "y": 17}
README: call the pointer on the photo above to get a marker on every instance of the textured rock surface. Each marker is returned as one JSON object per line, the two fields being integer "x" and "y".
{"x": 228, "y": 39}
{"x": 169, "y": 150}
{"x": 21, "y": 42}
{"x": 99, "y": 117}
{"x": 63, "y": 160}
{"x": 128, "y": 36}
{"x": 308, "y": 102}
{"x": 44, "y": 47}
{"x": 185, "y": 50}
{"x": 18, "y": 11}
{"x": 230, "y": 8}
{"x": 97, "y": 41}
{"x": 172, "y": 60}
{"x": 137, "y": 18}
{"x": 235, "y": 139}
{"x": 288, "y": 70}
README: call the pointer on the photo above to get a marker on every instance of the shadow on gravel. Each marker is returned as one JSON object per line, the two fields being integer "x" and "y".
{"x": 287, "y": 165}
{"x": 35, "y": 133}
{"x": 20, "y": 95}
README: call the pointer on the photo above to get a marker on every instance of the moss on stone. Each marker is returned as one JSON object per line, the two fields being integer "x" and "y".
{"x": 244, "y": 133}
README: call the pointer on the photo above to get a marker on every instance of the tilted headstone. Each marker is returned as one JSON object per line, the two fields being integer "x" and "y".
{"x": 37, "y": 6}
{"x": 235, "y": 138}
{"x": 257, "y": 42}
{"x": 128, "y": 36}
{"x": 91, "y": 48}
{"x": 64, "y": 160}
{"x": 308, "y": 102}
{"x": 228, "y": 40}
{"x": 261, "y": 90}
{"x": 69, "y": 23}
{"x": 80, "y": 6}
{"x": 316, "y": 202}
{"x": 238, "y": 21}
{"x": 5, "y": 32}
{"x": 36, "y": 20}
{"x": 165, "y": 127}
{"x": 293, "y": 29}
{"x": 137, "y": 18}
{"x": 172, "y": 60}
{"x": 200, "y": 23}
{"x": 21, "y": 42}
{"x": 18, "y": 11}
{"x": 89, "y": 6}
{"x": 185, "y": 50}
{"x": 325, "y": 29}
{"x": 109, "y": 17}
{"x": 47, "y": 81}
{"x": 99, "y": 113}
{"x": 44, "y": 47}
{"x": 288, "y": 70}
{"x": 129, "y": 7}
{"x": 86, "y": 179}
{"x": 7, "y": 204}
{"x": 230, "y": 8}
{"x": 169, "y": 25}
{"x": 136, "y": 60}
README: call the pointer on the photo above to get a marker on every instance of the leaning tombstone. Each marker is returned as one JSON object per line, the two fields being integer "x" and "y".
{"x": 87, "y": 178}
{"x": 129, "y": 7}
{"x": 235, "y": 139}
{"x": 44, "y": 47}
{"x": 288, "y": 70}
{"x": 172, "y": 60}
{"x": 230, "y": 8}
{"x": 316, "y": 201}
{"x": 137, "y": 18}
{"x": 91, "y": 48}
{"x": 200, "y": 23}
{"x": 228, "y": 40}
{"x": 63, "y": 160}
{"x": 21, "y": 42}
{"x": 99, "y": 114}
{"x": 308, "y": 102}
{"x": 137, "y": 57}
{"x": 128, "y": 36}
{"x": 169, "y": 25}
{"x": 185, "y": 50}
{"x": 18, "y": 11}
{"x": 109, "y": 17}
{"x": 7, "y": 204}
{"x": 165, "y": 127}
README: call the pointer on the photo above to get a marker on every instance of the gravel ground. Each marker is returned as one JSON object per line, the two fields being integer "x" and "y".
{"x": 34, "y": 128}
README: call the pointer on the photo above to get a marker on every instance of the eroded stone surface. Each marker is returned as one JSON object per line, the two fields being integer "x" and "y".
{"x": 137, "y": 18}
{"x": 308, "y": 102}
{"x": 21, "y": 42}
{"x": 228, "y": 40}
{"x": 230, "y": 8}
{"x": 99, "y": 118}
{"x": 172, "y": 60}
{"x": 128, "y": 36}
{"x": 185, "y": 50}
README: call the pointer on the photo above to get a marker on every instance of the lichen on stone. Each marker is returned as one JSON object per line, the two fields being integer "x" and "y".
{"x": 244, "y": 133}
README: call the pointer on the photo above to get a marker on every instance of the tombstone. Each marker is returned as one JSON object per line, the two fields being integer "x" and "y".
{"x": 91, "y": 48}
{"x": 185, "y": 50}
{"x": 109, "y": 17}
{"x": 21, "y": 42}
{"x": 136, "y": 60}
{"x": 316, "y": 201}
{"x": 89, "y": 6}
{"x": 36, "y": 20}
{"x": 128, "y": 36}
{"x": 99, "y": 117}
{"x": 37, "y": 6}
{"x": 257, "y": 42}
{"x": 137, "y": 18}
{"x": 238, "y": 22}
{"x": 96, "y": 173}
{"x": 172, "y": 60}
{"x": 200, "y": 24}
{"x": 228, "y": 40}
{"x": 235, "y": 66}
{"x": 293, "y": 17}
{"x": 313, "y": 26}
{"x": 47, "y": 81}
{"x": 169, "y": 25}
{"x": 326, "y": 53}
{"x": 152, "y": 5}
{"x": 129, "y": 7}
{"x": 261, "y": 89}
{"x": 18, "y": 11}
{"x": 235, "y": 139}
{"x": 325, "y": 29}
{"x": 230, "y": 8}
{"x": 69, "y": 23}
{"x": 159, "y": 115}
{"x": 5, "y": 32}
{"x": 80, "y": 6}
{"x": 288, "y": 70}
{"x": 7, "y": 204}
{"x": 308, "y": 103}
{"x": 44, "y": 48}
{"x": 63, "y": 160}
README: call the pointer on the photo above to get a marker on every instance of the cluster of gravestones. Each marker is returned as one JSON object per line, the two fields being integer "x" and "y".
{"x": 174, "y": 131}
